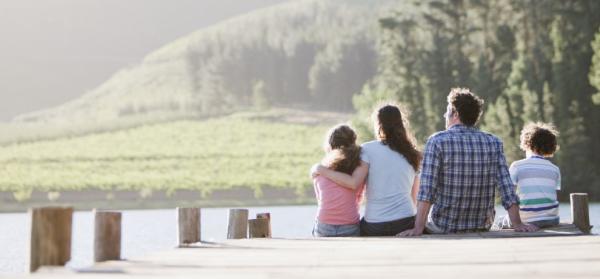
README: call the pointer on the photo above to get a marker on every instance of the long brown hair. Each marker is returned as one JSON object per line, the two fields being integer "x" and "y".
{"x": 343, "y": 154}
{"x": 391, "y": 131}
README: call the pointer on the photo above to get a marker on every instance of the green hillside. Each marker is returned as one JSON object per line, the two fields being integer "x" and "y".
{"x": 274, "y": 148}
{"x": 313, "y": 53}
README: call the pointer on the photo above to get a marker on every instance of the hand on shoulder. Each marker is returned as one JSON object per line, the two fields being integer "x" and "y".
{"x": 315, "y": 170}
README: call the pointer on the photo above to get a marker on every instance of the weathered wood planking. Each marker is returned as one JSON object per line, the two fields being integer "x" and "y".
{"x": 560, "y": 230}
{"x": 424, "y": 257}
{"x": 50, "y": 236}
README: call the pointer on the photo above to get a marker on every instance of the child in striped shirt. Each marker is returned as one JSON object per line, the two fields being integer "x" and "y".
{"x": 537, "y": 178}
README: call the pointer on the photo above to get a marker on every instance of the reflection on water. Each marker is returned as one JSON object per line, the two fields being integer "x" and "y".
{"x": 146, "y": 231}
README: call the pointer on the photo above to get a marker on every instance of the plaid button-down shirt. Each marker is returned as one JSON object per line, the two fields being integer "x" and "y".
{"x": 461, "y": 169}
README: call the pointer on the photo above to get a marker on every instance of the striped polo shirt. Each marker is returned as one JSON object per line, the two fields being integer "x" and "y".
{"x": 537, "y": 181}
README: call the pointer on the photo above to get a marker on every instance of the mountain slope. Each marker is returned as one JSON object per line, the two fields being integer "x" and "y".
{"x": 313, "y": 53}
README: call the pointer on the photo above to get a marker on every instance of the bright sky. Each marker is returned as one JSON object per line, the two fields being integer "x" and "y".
{"x": 52, "y": 51}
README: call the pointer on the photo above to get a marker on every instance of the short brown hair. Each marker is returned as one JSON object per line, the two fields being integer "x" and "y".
{"x": 541, "y": 138}
{"x": 468, "y": 105}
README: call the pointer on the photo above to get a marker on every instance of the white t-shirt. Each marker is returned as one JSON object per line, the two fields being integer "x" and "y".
{"x": 389, "y": 184}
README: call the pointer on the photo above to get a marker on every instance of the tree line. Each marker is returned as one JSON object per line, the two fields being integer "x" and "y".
{"x": 530, "y": 61}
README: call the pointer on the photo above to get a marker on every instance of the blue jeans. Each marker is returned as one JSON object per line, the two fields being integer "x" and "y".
{"x": 327, "y": 230}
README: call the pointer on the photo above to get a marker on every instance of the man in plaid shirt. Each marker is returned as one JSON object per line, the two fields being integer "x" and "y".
{"x": 461, "y": 169}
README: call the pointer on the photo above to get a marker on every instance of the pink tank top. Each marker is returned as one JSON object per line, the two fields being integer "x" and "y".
{"x": 338, "y": 205}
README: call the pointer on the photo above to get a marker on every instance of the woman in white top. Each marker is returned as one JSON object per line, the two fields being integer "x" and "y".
{"x": 389, "y": 165}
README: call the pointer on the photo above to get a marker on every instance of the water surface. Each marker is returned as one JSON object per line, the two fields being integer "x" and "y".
{"x": 145, "y": 231}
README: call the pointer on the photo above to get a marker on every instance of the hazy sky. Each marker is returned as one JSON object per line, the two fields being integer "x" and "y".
{"x": 52, "y": 51}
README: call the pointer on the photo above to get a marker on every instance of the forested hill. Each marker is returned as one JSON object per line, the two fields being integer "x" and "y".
{"x": 530, "y": 60}
{"x": 311, "y": 53}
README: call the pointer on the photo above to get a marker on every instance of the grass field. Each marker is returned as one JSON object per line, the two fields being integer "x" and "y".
{"x": 246, "y": 149}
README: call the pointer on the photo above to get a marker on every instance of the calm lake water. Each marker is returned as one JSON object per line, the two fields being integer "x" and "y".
{"x": 145, "y": 231}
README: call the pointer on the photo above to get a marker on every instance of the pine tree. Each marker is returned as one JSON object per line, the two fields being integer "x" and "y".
{"x": 595, "y": 68}
{"x": 493, "y": 20}
{"x": 531, "y": 61}
{"x": 259, "y": 96}
{"x": 572, "y": 35}
{"x": 515, "y": 107}
{"x": 578, "y": 173}
{"x": 365, "y": 103}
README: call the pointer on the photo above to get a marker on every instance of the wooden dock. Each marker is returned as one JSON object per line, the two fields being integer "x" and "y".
{"x": 567, "y": 250}
{"x": 567, "y": 254}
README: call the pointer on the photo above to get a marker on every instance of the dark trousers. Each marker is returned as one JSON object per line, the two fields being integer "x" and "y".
{"x": 390, "y": 228}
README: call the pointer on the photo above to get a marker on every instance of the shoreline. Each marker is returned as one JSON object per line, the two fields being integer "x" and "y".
{"x": 131, "y": 200}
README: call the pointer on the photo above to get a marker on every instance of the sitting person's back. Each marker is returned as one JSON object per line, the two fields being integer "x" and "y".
{"x": 537, "y": 178}
{"x": 461, "y": 169}
{"x": 467, "y": 171}
{"x": 338, "y": 207}
{"x": 389, "y": 164}
{"x": 389, "y": 184}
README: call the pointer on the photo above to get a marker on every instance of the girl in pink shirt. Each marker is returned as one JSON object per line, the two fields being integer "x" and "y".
{"x": 337, "y": 214}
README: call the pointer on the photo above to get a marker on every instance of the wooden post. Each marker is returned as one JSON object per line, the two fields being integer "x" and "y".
{"x": 107, "y": 236}
{"x": 238, "y": 224}
{"x": 265, "y": 216}
{"x": 580, "y": 212}
{"x": 259, "y": 228}
{"x": 189, "y": 225}
{"x": 50, "y": 236}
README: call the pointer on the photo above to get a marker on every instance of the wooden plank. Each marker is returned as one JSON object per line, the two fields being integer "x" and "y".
{"x": 238, "y": 224}
{"x": 500, "y": 254}
{"x": 546, "y": 257}
{"x": 266, "y": 215}
{"x": 580, "y": 212}
{"x": 107, "y": 235}
{"x": 188, "y": 220}
{"x": 560, "y": 230}
{"x": 50, "y": 236}
{"x": 259, "y": 228}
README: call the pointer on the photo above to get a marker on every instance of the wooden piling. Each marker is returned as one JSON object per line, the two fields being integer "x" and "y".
{"x": 189, "y": 225}
{"x": 51, "y": 229}
{"x": 580, "y": 212}
{"x": 107, "y": 236}
{"x": 259, "y": 228}
{"x": 238, "y": 224}
{"x": 265, "y": 216}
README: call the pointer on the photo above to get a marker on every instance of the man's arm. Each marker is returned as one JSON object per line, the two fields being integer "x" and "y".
{"x": 515, "y": 219}
{"x": 510, "y": 200}
{"x": 427, "y": 187}
{"x": 420, "y": 221}
{"x": 349, "y": 181}
{"x": 415, "y": 190}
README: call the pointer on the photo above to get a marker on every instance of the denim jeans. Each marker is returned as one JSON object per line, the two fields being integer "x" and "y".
{"x": 327, "y": 230}
{"x": 390, "y": 228}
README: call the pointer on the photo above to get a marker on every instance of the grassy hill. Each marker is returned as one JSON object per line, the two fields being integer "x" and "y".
{"x": 311, "y": 52}
{"x": 247, "y": 149}
{"x": 182, "y": 120}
